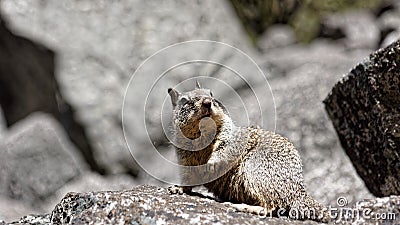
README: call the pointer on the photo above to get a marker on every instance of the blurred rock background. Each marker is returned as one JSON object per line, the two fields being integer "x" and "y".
{"x": 304, "y": 47}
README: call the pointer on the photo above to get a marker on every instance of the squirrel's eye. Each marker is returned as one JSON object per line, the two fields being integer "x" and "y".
{"x": 211, "y": 94}
{"x": 183, "y": 101}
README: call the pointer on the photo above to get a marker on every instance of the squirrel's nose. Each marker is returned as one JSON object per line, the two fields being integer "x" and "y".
{"x": 206, "y": 102}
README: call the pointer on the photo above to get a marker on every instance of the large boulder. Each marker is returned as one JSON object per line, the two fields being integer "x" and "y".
{"x": 151, "y": 205}
{"x": 37, "y": 160}
{"x": 89, "y": 181}
{"x": 155, "y": 205}
{"x": 364, "y": 107}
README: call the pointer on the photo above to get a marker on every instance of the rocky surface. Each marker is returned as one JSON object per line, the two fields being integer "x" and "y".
{"x": 155, "y": 205}
{"x": 151, "y": 205}
{"x": 89, "y": 181}
{"x": 364, "y": 109}
{"x": 33, "y": 219}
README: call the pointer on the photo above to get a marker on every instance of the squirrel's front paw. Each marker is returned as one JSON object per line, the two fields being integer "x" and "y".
{"x": 175, "y": 190}
{"x": 179, "y": 189}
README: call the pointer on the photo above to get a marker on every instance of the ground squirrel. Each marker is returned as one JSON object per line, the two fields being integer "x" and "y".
{"x": 264, "y": 169}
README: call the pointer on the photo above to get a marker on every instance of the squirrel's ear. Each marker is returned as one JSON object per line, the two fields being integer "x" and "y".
{"x": 197, "y": 85}
{"x": 174, "y": 96}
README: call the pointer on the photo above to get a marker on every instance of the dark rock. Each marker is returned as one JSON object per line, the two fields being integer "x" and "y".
{"x": 37, "y": 160}
{"x": 26, "y": 76}
{"x": 364, "y": 107}
{"x": 151, "y": 205}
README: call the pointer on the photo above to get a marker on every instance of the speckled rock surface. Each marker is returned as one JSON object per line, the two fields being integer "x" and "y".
{"x": 365, "y": 110}
{"x": 34, "y": 220}
{"x": 151, "y": 205}
{"x": 155, "y": 205}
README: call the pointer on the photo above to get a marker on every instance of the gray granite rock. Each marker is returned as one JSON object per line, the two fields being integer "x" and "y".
{"x": 12, "y": 210}
{"x": 276, "y": 36}
{"x": 364, "y": 107}
{"x": 152, "y": 205}
{"x": 37, "y": 160}
{"x": 360, "y": 28}
{"x": 155, "y": 205}
{"x": 89, "y": 181}
{"x": 34, "y": 220}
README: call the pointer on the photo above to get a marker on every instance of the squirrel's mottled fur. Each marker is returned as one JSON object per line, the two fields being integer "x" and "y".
{"x": 265, "y": 168}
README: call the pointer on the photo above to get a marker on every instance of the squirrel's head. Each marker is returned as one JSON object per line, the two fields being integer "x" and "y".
{"x": 191, "y": 107}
